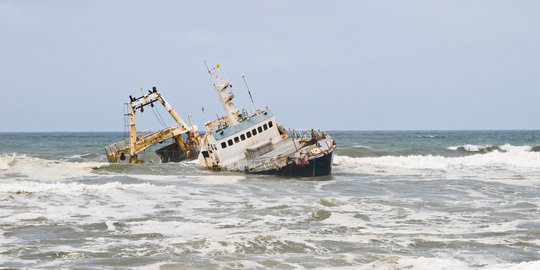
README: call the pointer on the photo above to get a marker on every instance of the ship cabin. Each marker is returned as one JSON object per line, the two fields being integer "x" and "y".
{"x": 253, "y": 136}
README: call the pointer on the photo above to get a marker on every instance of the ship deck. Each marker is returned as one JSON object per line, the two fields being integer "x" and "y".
{"x": 284, "y": 147}
{"x": 282, "y": 151}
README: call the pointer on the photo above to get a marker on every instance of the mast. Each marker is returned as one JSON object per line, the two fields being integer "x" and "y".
{"x": 249, "y": 92}
{"x": 225, "y": 97}
{"x": 132, "y": 134}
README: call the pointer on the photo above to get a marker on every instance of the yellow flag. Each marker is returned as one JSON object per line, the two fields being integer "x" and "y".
{"x": 217, "y": 65}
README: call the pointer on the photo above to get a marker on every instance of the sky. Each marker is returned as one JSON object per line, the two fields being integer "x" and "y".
{"x": 332, "y": 65}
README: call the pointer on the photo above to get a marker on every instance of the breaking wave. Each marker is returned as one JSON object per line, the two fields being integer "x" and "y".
{"x": 6, "y": 161}
{"x": 22, "y": 166}
{"x": 475, "y": 148}
{"x": 452, "y": 151}
{"x": 390, "y": 262}
{"x": 358, "y": 146}
{"x": 68, "y": 188}
{"x": 397, "y": 262}
{"x": 490, "y": 148}
{"x": 510, "y": 162}
{"x": 364, "y": 151}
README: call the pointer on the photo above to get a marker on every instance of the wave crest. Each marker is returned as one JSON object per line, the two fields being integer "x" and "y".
{"x": 515, "y": 162}
{"x": 6, "y": 160}
{"x": 489, "y": 148}
{"x": 22, "y": 166}
{"x": 67, "y": 188}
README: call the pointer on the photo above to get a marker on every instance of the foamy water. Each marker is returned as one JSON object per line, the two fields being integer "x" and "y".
{"x": 455, "y": 207}
{"x": 514, "y": 163}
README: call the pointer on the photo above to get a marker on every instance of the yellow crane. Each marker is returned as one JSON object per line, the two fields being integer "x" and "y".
{"x": 136, "y": 143}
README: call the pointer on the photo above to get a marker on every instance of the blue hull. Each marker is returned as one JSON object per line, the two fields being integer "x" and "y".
{"x": 319, "y": 166}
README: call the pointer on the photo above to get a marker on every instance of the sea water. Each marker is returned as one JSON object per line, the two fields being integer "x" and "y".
{"x": 395, "y": 200}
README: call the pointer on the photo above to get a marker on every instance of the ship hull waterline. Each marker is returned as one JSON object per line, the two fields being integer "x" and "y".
{"x": 319, "y": 166}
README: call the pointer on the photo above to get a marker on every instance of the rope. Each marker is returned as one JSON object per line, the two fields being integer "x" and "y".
{"x": 158, "y": 116}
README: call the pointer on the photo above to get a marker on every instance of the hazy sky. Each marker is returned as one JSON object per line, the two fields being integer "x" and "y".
{"x": 335, "y": 65}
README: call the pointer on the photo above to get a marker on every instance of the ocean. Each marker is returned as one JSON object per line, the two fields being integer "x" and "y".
{"x": 395, "y": 200}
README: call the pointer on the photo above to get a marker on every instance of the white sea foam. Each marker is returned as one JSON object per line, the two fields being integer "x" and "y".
{"x": 226, "y": 223}
{"x": 43, "y": 169}
{"x": 153, "y": 177}
{"x": 516, "y": 163}
{"x": 6, "y": 160}
{"x": 478, "y": 148}
{"x": 361, "y": 146}
{"x": 422, "y": 263}
{"x": 535, "y": 265}
{"x": 191, "y": 162}
{"x": 221, "y": 179}
{"x": 65, "y": 188}
{"x": 468, "y": 147}
{"x": 61, "y": 203}
{"x": 514, "y": 148}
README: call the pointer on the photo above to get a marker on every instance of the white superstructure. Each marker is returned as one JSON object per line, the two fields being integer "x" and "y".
{"x": 257, "y": 144}
{"x": 237, "y": 137}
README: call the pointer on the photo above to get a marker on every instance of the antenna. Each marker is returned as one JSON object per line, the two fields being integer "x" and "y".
{"x": 204, "y": 114}
{"x": 249, "y": 92}
{"x": 206, "y": 64}
{"x": 218, "y": 119}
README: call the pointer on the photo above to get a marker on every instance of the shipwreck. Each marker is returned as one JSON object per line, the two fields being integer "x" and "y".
{"x": 252, "y": 143}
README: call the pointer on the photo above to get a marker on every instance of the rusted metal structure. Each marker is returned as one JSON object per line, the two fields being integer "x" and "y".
{"x": 182, "y": 148}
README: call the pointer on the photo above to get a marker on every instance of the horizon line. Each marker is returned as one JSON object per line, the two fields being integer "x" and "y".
{"x": 329, "y": 130}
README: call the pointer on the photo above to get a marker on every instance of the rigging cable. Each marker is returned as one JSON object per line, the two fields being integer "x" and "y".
{"x": 159, "y": 118}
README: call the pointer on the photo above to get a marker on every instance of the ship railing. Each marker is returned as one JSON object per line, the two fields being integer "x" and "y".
{"x": 305, "y": 134}
{"x": 296, "y": 135}
{"x": 123, "y": 146}
{"x": 268, "y": 163}
{"x": 125, "y": 142}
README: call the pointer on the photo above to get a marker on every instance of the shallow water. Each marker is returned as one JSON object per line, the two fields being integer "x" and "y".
{"x": 395, "y": 200}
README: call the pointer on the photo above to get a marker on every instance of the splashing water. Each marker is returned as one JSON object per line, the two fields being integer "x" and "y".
{"x": 396, "y": 200}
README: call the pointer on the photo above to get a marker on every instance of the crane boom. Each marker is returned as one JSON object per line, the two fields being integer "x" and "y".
{"x": 134, "y": 144}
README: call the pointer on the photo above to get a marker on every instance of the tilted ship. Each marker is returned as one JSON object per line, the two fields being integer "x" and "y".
{"x": 185, "y": 145}
{"x": 258, "y": 144}
{"x": 238, "y": 141}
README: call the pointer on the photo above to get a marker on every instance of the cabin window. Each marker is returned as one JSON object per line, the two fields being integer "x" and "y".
{"x": 229, "y": 142}
{"x": 236, "y": 140}
{"x": 242, "y": 137}
{"x": 248, "y": 134}
{"x": 270, "y": 124}
{"x": 223, "y": 145}
{"x": 265, "y": 126}
{"x": 260, "y": 129}
{"x": 254, "y": 131}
